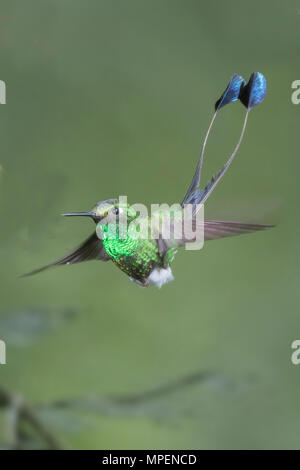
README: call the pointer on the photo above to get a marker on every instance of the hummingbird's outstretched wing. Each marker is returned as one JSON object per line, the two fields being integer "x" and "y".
{"x": 219, "y": 228}
{"x": 90, "y": 249}
{"x": 213, "y": 229}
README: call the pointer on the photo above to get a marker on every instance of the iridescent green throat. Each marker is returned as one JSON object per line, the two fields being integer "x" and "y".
{"x": 115, "y": 245}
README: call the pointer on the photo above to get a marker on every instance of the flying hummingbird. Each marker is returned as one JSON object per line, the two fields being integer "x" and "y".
{"x": 147, "y": 261}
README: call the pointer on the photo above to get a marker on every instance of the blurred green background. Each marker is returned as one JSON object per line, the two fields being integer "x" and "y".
{"x": 106, "y": 98}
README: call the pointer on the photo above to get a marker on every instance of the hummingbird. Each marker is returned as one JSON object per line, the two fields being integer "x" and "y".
{"x": 147, "y": 261}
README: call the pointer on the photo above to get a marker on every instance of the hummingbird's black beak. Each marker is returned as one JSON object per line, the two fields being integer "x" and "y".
{"x": 78, "y": 214}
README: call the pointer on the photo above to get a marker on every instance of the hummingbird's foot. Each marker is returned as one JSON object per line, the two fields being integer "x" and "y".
{"x": 146, "y": 283}
{"x": 158, "y": 277}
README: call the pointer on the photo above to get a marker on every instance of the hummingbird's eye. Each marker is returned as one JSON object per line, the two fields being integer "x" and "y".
{"x": 116, "y": 211}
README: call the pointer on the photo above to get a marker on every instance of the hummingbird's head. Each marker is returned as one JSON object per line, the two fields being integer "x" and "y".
{"x": 109, "y": 210}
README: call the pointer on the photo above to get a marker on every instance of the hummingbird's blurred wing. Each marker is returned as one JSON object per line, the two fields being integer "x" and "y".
{"x": 90, "y": 249}
{"x": 219, "y": 229}
{"x": 213, "y": 229}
